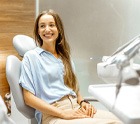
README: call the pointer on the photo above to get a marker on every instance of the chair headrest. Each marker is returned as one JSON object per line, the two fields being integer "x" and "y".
{"x": 23, "y": 43}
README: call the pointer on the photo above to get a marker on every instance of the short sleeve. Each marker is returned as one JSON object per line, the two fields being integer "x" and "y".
{"x": 26, "y": 77}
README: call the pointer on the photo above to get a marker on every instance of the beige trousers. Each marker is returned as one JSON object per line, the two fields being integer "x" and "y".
{"x": 68, "y": 102}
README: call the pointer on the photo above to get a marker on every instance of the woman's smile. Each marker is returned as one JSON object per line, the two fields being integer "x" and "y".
{"x": 48, "y": 36}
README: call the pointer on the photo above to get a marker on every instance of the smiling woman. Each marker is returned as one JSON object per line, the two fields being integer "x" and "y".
{"x": 49, "y": 81}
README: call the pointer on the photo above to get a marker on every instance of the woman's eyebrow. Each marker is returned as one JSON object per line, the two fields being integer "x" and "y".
{"x": 49, "y": 22}
{"x": 41, "y": 23}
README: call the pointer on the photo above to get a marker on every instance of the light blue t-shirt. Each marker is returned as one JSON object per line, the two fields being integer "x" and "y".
{"x": 42, "y": 74}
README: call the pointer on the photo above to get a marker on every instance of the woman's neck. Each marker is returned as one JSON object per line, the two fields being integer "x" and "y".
{"x": 51, "y": 49}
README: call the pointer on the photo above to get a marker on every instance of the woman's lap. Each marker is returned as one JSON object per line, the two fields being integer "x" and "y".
{"x": 101, "y": 116}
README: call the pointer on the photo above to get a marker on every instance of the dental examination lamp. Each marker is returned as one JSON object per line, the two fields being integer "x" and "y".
{"x": 119, "y": 63}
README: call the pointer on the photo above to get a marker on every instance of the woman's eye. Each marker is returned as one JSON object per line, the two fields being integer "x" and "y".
{"x": 52, "y": 25}
{"x": 42, "y": 26}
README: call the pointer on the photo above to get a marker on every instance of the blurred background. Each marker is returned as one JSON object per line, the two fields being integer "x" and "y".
{"x": 95, "y": 28}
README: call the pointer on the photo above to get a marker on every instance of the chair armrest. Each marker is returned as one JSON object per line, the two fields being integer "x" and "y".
{"x": 90, "y": 99}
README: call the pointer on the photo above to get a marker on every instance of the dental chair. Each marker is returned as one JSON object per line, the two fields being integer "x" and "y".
{"x": 22, "y": 44}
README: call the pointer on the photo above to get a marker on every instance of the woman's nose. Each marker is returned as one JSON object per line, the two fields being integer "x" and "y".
{"x": 47, "y": 28}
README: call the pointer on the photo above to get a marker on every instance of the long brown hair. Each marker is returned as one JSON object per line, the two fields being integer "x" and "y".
{"x": 62, "y": 49}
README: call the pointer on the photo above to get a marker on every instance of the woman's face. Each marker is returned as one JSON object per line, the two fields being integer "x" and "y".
{"x": 47, "y": 29}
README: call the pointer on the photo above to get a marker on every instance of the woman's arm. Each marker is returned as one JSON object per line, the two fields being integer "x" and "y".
{"x": 44, "y": 107}
{"x": 79, "y": 97}
{"x": 37, "y": 103}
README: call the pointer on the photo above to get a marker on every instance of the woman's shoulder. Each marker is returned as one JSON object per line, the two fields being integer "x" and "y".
{"x": 32, "y": 53}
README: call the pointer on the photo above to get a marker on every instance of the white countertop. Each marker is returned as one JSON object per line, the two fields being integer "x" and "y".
{"x": 126, "y": 106}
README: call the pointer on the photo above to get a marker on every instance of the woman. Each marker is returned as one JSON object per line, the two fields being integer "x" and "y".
{"x": 48, "y": 80}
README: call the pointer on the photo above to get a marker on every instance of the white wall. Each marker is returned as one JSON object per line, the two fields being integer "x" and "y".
{"x": 95, "y": 28}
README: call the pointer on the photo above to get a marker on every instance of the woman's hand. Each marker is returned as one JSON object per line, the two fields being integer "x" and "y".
{"x": 73, "y": 114}
{"x": 88, "y": 109}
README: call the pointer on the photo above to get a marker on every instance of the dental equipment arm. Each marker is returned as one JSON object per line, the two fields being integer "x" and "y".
{"x": 124, "y": 61}
{"x": 121, "y": 58}
{"x": 124, "y": 53}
